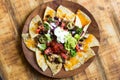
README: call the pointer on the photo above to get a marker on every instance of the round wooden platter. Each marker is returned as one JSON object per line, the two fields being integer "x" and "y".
{"x": 30, "y": 56}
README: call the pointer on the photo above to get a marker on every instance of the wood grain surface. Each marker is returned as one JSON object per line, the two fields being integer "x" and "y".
{"x": 13, "y": 65}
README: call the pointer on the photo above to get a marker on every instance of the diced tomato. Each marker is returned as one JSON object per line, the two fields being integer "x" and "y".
{"x": 63, "y": 25}
{"x": 63, "y": 55}
{"x": 48, "y": 44}
{"x": 64, "y": 50}
{"x": 48, "y": 51}
{"x": 53, "y": 43}
{"x": 77, "y": 48}
{"x": 56, "y": 48}
{"x": 38, "y": 30}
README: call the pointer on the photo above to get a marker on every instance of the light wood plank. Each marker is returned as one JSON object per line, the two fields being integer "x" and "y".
{"x": 109, "y": 38}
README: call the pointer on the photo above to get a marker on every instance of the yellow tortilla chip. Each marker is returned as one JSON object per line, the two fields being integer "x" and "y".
{"x": 72, "y": 63}
{"x": 29, "y": 42}
{"x": 41, "y": 60}
{"x": 84, "y": 21}
{"x": 91, "y": 41}
{"x": 49, "y": 11}
{"x": 55, "y": 68}
{"x": 65, "y": 13}
{"x": 88, "y": 54}
{"x": 78, "y": 22}
{"x": 34, "y": 25}
{"x": 80, "y": 58}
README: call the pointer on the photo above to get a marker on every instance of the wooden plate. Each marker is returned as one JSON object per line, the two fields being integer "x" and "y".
{"x": 30, "y": 56}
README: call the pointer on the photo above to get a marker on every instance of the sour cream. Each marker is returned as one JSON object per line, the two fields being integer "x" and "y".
{"x": 60, "y": 34}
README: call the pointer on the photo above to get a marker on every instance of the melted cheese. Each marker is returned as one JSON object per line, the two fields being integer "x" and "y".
{"x": 65, "y": 13}
{"x": 30, "y": 43}
{"x": 89, "y": 39}
{"x": 85, "y": 47}
{"x": 72, "y": 62}
{"x": 83, "y": 18}
{"x": 51, "y": 13}
{"x": 79, "y": 54}
{"x": 33, "y": 29}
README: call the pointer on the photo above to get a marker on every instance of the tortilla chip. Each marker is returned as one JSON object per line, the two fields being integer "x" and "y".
{"x": 72, "y": 63}
{"x": 78, "y": 22}
{"x": 80, "y": 58}
{"x": 49, "y": 11}
{"x": 65, "y": 13}
{"x": 29, "y": 42}
{"x": 41, "y": 60}
{"x": 34, "y": 25}
{"x": 85, "y": 21}
{"x": 91, "y": 41}
{"x": 88, "y": 54}
{"x": 55, "y": 68}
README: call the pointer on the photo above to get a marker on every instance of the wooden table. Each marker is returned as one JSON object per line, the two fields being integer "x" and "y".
{"x": 13, "y": 65}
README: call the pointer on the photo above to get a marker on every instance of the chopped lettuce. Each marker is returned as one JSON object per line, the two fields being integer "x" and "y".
{"x": 73, "y": 52}
{"x": 42, "y": 47}
{"x": 45, "y": 56}
{"x": 48, "y": 37}
{"x": 50, "y": 19}
{"x": 79, "y": 30}
{"x": 46, "y": 26}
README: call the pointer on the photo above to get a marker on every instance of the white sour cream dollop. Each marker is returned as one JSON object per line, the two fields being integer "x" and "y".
{"x": 60, "y": 34}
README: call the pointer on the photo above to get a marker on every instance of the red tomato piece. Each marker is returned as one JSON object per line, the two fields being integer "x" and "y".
{"x": 48, "y": 44}
{"x": 48, "y": 51}
{"x": 63, "y": 55}
{"x": 77, "y": 48}
{"x": 38, "y": 30}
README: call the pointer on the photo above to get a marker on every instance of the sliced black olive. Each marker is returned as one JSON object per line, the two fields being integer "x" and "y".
{"x": 47, "y": 16}
{"x": 56, "y": 61}
{"x": 39, "y": 23}
{"x": 56, "y": 18}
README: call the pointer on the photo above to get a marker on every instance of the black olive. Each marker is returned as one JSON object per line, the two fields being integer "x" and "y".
{"x": 63, "y": 61}
{"x": 56, "y": 18}
{"x": 47, "y": 16}
{"x": 56, "y": 61}
{"x": 60, "y": 23}
{"x": 81, "y": 40}
{"x": 39, "y": 23}
{"x": 41, "y": 32}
